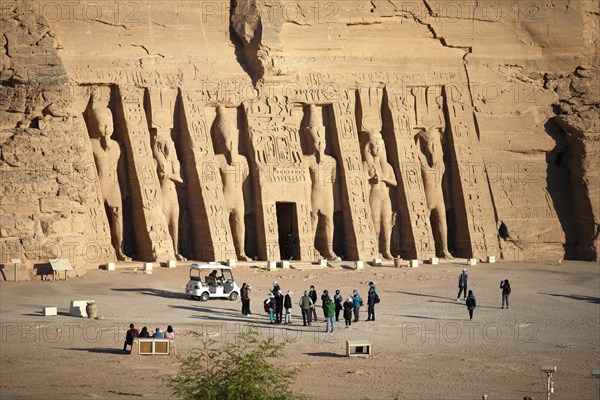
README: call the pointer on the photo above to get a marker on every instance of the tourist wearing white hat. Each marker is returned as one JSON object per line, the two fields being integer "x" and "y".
{"x": 287, "y": 304}
{"x": 463, "y": 282}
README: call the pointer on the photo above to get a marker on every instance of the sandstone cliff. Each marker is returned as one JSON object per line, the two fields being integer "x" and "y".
{"x": 512, "y": 86}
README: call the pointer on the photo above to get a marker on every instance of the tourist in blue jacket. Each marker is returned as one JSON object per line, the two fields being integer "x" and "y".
{"x": 357, "y": 303}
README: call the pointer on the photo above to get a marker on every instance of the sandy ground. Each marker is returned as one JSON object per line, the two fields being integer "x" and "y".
{"x": 424, "y": 345}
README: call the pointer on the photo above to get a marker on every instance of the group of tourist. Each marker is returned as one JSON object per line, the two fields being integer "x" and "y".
{"x": 133, "y": 333}
{"x": 332, "y": 307}
{"x": 276, "y": 303}
{"x": 469, "y": 298}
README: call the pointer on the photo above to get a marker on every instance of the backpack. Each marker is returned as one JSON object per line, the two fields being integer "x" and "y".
{"x": 377, "y": 300}
{"x": 266, "y": 305}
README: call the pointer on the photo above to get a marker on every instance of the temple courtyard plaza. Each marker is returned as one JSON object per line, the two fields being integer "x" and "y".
{"x": 424, "y": 345}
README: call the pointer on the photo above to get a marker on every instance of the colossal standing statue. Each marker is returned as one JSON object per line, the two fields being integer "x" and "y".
{"x": 380, "y": 176}
{"x": 234, "y": 172}
{"x": 431, "y": 160}
{"x": 110, "y": 165}
{"x": 323, "y": 175}
{"x": 169, "y": 175}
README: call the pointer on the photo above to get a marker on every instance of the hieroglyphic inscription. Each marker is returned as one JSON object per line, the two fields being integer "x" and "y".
{"x": 277, "y": 164}
{"x": 152, "y": 235}
{"x": 483, "y": 237}
{"x": 416, "y": 239}
{"x": 210, "y": 219}
{"x": 360, "y": 234}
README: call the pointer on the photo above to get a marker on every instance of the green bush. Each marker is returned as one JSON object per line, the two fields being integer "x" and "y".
{"x": 239, "y": 370}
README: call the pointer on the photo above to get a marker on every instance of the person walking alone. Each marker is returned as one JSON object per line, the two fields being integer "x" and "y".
{"x": 471, "y": 303}
{"x": 463, "y": 281}
{"x": 505, "y": 286}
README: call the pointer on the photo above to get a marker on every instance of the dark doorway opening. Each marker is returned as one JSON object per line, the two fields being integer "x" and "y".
{"x": 287, "y": 225}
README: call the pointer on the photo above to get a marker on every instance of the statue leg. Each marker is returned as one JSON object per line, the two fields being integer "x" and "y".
{"x": 238, "y": 229}
{"x": 329, "y": 238}
{"x": 116, "y": 225}
{"x": 387, "y": 228}
{"x": 376, "y": 214}
{"x": 172, "y": 214}
{"x": 441, "y": 227}
{"x": 314, "y": 223}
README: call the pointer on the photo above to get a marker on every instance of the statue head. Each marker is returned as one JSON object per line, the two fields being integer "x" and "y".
{"x": 317, "y": 134}
{"x": 226, "y": 130}
{"x": 103, "y": 121}
{"x": 430, "y": 139}
{"x": 375, "y": 145}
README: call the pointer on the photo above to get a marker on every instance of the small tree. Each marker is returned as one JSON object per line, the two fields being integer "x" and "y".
{"x": 238, "y": 371}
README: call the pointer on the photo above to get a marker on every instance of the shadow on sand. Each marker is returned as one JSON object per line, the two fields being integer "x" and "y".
{"x": 153, "y": 292}
{"x": 589, "y": 299}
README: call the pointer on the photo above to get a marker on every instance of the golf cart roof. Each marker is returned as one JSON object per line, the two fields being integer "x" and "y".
{"x": 209, "y": 266}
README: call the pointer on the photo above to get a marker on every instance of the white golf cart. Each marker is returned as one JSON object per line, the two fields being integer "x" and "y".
{"x": 209, "y": 281}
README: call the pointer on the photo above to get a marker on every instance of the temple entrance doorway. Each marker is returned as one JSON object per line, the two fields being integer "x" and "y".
{"x": 287, "y": 226}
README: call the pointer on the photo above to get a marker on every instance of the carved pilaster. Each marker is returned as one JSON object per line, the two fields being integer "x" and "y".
{"x": 473, "y": 182}
{"x": 210, "y": 219}
{"x": 416, "y": 239}
{"x": 151, "y": 232}
{"x": 358, "y": 224}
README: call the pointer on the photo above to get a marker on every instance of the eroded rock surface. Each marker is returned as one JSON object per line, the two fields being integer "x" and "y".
{"x": 512, "y": 89}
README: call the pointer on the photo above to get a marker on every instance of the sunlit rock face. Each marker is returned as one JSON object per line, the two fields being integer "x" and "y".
{"x": 273, "y": 130}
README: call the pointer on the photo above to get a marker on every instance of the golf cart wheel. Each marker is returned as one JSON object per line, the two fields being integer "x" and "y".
{"x": 233, "y": 296}
{"x": 204, "y": 296}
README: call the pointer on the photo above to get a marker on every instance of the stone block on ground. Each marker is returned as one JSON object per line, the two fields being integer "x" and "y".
{"x": 50, "y": 311}
{"x": 358, "y": 348}
{"x": 109, "y": 266}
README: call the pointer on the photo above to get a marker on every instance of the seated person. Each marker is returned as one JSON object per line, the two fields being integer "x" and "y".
{"x": 211, "y": 279}
{"x": 158, "y": 334}
{"x": 129, "y": 336}
{"x": 144, "y": 333}
{"x": 169, "y": 334}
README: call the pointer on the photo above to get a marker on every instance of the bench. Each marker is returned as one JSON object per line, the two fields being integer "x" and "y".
{"x": 153, "y": 347}
{"x": 358, "y": 348}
